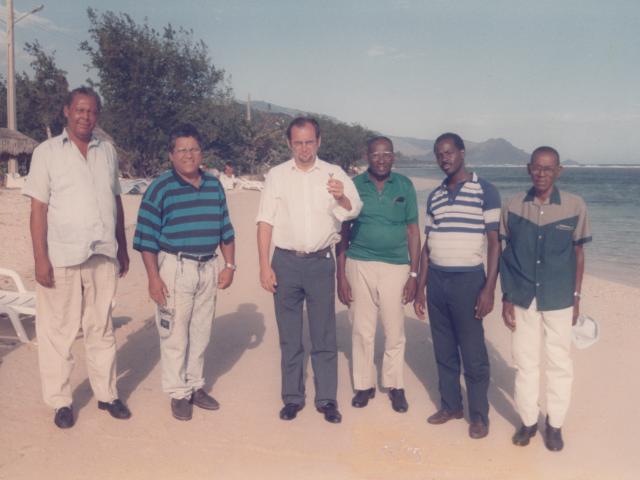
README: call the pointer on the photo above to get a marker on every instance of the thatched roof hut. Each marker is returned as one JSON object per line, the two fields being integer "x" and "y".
{"x": 14, "y": 143}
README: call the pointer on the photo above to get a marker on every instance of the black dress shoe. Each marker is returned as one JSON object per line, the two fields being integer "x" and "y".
{"x": 398, "y": 401}
{"x": 202, "y": 399}
{"x": 362, "y": 397}
{"x": 64, "y": 417}
{"x": 290, "y": 410}
{"x": 553, "y": 438}
{"x": 182, "y": 408}
{"x": 330, "y": 412}
{"x": 522, "y": 436}
{"x": 117, "y": 409}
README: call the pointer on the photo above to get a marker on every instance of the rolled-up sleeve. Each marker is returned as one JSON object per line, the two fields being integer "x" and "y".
{"x": 350, "y": 191}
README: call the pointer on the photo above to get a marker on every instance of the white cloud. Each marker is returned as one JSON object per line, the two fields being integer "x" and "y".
{"x": 381, "y": 51}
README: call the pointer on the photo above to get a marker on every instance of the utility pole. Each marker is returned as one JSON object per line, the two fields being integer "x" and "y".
{"x": 11, "y": 75}
{"x": 248, "y": 108}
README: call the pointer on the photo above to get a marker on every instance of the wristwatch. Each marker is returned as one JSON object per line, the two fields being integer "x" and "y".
{"x": 413, "y": 274}
{"x": 231, "y": 266}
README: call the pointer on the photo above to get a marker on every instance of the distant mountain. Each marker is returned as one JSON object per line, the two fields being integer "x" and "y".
{"x": 495, "y": 151}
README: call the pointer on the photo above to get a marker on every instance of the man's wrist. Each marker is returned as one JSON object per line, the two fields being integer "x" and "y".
{"x": 230, "y": 266}
{"x": 413, "y": 274}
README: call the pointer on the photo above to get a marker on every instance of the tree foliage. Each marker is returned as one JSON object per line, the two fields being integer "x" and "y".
{"x": 150, "y": 81}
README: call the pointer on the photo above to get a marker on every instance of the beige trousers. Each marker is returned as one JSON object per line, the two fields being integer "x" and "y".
{"x": 377, "y": 288}
{"x": 80, "y": 298}
{"x": 556, "y": 329}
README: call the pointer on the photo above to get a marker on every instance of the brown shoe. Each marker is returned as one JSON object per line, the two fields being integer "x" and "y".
{"x": 181, "y": 408}
{"x": 443, "y": 416}
{"x": 202, "y": 399}
{"x": 478, "y": 429}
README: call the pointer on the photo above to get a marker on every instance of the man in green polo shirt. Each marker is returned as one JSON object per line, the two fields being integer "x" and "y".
{"x": 541, "y": 272}
{"x": 377, "y": 265}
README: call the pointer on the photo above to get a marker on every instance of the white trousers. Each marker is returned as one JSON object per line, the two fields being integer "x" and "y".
{"x": 81, "y": 297}
{"x": 377, "y": 288}
{"x": 556, "y": 331}
{"x": 184, "y": 324}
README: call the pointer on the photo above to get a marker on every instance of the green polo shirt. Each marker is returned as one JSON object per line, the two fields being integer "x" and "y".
{"x": 539, "y": 259}
{"x": 380, "y": 231}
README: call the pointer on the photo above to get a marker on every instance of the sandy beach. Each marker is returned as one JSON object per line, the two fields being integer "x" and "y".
{"x": 246, "y": 439}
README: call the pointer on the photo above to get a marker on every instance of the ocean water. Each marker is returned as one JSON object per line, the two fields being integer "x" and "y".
{"x": 612, "y": 195}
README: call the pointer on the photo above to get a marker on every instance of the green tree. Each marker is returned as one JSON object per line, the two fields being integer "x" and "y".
{"x": 150, "y": 81}
{"x": 342, "y": 144}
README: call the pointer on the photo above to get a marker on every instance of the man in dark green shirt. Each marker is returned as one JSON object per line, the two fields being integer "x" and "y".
{"x": 376, "y": 272}
{"x": 541, "y": 273}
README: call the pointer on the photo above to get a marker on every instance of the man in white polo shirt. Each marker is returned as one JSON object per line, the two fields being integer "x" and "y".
{"x": 79, "y": 248}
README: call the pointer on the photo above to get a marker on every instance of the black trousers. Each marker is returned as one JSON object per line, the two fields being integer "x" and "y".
{"x": 310, "y": 280}
{"x": 451, "y": 298}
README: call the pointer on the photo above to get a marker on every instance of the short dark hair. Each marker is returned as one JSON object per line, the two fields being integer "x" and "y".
{"x": 545, "y": 149}
{"x": 300, "y": 122}
{"x": 376, "y": 139}
{"x": 229, "y": 163}
{"x": 454, "y": 137}
{"x": 184, "y": 130}
{"x": 83, "y": 90}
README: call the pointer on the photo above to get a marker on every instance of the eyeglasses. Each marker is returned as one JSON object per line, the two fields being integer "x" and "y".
{"x": 383, "y": 155}
{"x": 542, "y": 170}
{"x": 184, "y": 151}
{"x": 308, "y": 144}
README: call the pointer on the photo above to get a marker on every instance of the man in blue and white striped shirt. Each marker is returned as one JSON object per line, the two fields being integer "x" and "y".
{"x": 183, "y": 219}
{"x": 461, "y": 213}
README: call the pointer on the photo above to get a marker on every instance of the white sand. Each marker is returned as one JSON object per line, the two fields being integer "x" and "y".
{"x": 245, "y": 438}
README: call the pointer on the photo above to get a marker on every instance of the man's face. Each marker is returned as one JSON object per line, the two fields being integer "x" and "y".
{"x": 228, "y": 170}
{"x": 544, "y": 170}
{"x": 449, "y": 157}
{"x": 186, "y": 156}
{"x": 82, "y": 116}
{"x": 303, "y": 144}
{"x": 380, "y": 157}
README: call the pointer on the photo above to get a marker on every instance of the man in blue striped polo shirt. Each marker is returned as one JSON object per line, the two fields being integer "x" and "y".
{"x": 183, "y": 219}
{"x": 463, "y": 216}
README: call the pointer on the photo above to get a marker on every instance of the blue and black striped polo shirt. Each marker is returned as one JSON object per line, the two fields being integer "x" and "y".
{"x": 175, "y": 216}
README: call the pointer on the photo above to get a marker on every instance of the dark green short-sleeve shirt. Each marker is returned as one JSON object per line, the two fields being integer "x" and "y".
{"x": 380, "y": 231}
{"x": 539, "y": 259}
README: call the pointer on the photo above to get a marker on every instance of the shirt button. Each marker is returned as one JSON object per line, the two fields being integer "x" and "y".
{"x": 539, "y": 237}
{"x": 541, "y": 212}
{"x": 538, "y": 261}
{"x": 537, "y": 284}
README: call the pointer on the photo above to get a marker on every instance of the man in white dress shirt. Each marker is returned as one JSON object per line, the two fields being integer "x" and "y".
{"x": 302, "y": 207}
{"x": 79, "y": 248}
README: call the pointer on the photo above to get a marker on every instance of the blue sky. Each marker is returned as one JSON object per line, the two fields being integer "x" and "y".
{"x": 564, "y": 73}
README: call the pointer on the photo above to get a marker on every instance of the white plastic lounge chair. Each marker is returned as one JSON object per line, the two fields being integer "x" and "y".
{"x": 13, "y": 303}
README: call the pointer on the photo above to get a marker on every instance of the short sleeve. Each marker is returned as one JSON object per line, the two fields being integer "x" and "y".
{"x": 412, "y": 204}
{"x": 149, "y": 222}
{"x": 490, "y": 206}
{"x": 582, "y": 232}
{"x": 268, "y": 200}
{"x": 38, "y": 183}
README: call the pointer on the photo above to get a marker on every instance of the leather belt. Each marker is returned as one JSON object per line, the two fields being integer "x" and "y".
{"x": 325, "y": 252}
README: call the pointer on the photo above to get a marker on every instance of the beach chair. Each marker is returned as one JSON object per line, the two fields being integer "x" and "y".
{"x": 16, "y": 302}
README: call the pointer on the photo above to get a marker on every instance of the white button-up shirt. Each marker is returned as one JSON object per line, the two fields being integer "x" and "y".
{"x": 304, "y": 215}
{"x": 80, "y": 194}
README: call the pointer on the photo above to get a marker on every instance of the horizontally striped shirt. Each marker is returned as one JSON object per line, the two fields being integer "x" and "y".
{"x": 457, "y": 221}
{"x": 175, "y": 216}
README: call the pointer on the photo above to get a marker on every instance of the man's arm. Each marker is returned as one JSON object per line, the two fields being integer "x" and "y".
{"x": 484, "y": 303}
{"x": 413, "y": 241}
{"x": 419, "y": 302}
{"x": 579, "y": 249}
{"x": 344, "y": 289}
{"x": 38, "y": 225}
{"x": 228, "y": 250}
{"x": 267, "y": 275}
{"x": 121, "y": 238}
{"x": 157, "y": 289}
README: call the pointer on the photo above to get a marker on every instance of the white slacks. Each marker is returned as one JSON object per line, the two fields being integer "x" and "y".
{"x": 556, "y": 331}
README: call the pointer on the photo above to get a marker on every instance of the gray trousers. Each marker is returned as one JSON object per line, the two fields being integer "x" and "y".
{"x": 310, "y": 279}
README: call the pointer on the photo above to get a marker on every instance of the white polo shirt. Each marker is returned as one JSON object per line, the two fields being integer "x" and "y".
{"x": 304, "y": 215}
{"x": 80, "y": 193}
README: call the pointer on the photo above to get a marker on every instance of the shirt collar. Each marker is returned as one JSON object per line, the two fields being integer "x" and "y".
{"x": 184, "y": 183}
{"x": 94, "y": 142}
{"x": 317, "y": 165}
{"x": 473, "y": 179}
{"x": 553, "y": 198}
{"x": 389, "y": 179}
